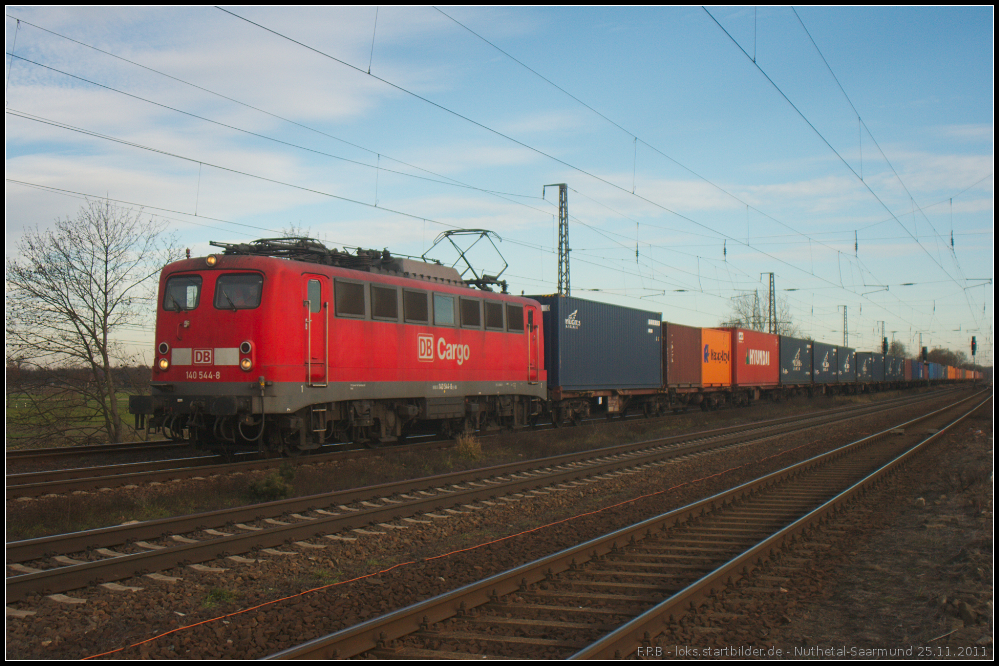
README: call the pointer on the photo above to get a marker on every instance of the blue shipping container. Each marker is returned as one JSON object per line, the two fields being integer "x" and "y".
{"x": 592, "y": 346}
{"x": 847, "y": 365}
{"x": 825, "y": 366}
{"x": 795, "y": 361}
{"x": 870, "y": 367}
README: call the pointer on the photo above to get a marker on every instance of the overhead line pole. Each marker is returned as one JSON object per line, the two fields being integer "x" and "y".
{"x": 563, "y": 237}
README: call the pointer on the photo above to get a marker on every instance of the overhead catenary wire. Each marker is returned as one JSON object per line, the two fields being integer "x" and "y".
{"x": 630, "y": 133}
{"x": 646, "y": 237}
{"x": 829, "y": 145}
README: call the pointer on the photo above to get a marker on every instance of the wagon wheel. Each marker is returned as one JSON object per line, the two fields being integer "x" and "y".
{"x": 290, "y": 451}
{"x": 559, "y": 416}
{"x": 227, "y": 450}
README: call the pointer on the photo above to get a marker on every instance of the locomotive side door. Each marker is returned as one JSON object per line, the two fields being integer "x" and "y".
{"x": 533, "y": 331}
{"x": 317, "y": 323}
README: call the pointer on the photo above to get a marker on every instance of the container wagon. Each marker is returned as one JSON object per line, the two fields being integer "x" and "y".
{"x": 600, "y": 358}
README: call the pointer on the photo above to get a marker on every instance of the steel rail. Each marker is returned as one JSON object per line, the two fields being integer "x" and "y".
{"x": 91, "y": 449}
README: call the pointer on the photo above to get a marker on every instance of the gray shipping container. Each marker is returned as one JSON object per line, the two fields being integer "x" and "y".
{"x": 847, "y": 365}
{"x": 795, "y": 361}
{"x": 825, "y": 366}
{"x": 682, "y": 355}
{"x": 591, "y": 346}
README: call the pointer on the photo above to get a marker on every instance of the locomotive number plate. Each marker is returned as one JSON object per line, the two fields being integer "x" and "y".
{"x": 202, "y": 374}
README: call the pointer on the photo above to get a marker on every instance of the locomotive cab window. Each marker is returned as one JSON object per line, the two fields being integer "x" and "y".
{"x": 182, "y": 293}
{"x": 384, "y": 303}
{"x": 471, "y": 313}
{"x": 494, "y": 316}
{"x": 349, "y": 299}
{"x": 515, "y": 318}
{"x": 414, "y": 307}
{"x": 240, "y": 291}
{"x": 443, "y": 310}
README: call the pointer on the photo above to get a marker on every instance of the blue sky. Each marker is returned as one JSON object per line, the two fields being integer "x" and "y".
{"x": 672, "y": 141}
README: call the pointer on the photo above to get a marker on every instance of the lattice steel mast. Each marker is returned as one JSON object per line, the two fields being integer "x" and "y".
{"x": 563, "y": 237}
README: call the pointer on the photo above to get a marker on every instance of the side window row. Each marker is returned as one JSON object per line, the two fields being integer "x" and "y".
{"x": 358, "y": 299}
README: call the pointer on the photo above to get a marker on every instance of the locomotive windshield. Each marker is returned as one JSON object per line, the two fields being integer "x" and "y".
{"x": 182, "y": 293}
{"x": 238, "y": 292}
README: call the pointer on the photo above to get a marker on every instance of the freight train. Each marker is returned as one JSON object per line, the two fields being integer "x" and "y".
{"x": 284, "y": 345}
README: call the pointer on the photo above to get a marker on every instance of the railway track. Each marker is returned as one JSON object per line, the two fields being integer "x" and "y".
{"x": 55, "y": 452}
{"x": 36, "y": 484}
{"x": 66, "y": 562}
{"x": 610, "y": 596}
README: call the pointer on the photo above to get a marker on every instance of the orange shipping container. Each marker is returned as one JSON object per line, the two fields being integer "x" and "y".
{"x": 716, "y": 359}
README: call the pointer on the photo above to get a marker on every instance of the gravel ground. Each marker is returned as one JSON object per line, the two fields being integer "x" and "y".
{"x": 905, "y": 574}
{"x": 252, "y": 610}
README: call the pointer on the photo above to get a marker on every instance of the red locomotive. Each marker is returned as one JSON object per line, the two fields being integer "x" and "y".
{"x": 285, "y": 344}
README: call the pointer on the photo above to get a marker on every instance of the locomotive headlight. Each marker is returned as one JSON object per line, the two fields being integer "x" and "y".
{"x": 246, "y": 365}
{"x": 211, "y": 260}
{"x": 163, "y": 364}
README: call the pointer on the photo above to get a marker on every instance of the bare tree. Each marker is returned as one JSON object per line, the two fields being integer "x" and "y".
{"x": 70, "y": 291}
{"x": 957, "y": 359}
{"x": 896, "y": 348}
{"x": 749, "y": 312}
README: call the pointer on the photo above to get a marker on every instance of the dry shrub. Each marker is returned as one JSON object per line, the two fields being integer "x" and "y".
{"x": 469, "y": 448}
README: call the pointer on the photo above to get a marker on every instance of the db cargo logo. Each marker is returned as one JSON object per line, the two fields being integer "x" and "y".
{"x": 571, "y": 321}
{"x": 202, "y": 356}
{"x": 710, "y": 355}
{"x": 445, "y": 351}
{"x": 426, "y": 343}
{"x": 757, "y": 357}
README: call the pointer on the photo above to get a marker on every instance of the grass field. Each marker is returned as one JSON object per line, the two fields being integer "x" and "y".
{"x": 38, "y": 420}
